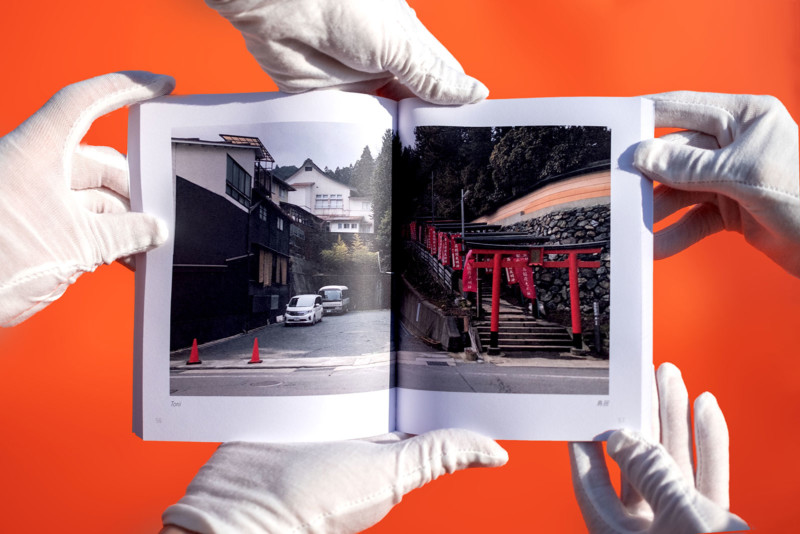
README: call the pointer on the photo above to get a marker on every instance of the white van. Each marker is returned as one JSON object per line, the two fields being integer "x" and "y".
{"x": 335, "y": 299}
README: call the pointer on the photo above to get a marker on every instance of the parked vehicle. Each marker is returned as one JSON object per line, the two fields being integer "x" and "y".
{"x": 335, "y": 299}
{"x": 303, "y": 309}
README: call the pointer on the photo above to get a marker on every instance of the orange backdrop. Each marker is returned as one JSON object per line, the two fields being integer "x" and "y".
{"x": 723, "y": 313}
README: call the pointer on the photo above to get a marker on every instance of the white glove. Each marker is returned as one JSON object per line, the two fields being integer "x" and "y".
{"x": 366, "y": 46}
{"x": 677, "y": 500}
{"x": 750, "y": 185}
{"x": 64, "y": 206}
{"x": 337, "y": 487}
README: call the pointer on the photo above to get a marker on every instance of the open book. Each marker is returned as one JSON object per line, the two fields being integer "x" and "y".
{"x": 342, "y": 266}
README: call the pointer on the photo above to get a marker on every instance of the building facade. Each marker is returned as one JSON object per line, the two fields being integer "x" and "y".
{"x": 342, "y": 209}
{"x": 231, "y": 255}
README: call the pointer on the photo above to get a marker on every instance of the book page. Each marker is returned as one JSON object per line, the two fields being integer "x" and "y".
{"x": 526, "y": 296}
{"x": 266, "y": 314}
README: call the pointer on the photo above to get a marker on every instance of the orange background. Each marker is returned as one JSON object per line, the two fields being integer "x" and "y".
{"x": 723, "y": 313}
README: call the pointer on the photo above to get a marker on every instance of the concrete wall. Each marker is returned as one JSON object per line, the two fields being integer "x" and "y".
{"x": 425, "y": 320}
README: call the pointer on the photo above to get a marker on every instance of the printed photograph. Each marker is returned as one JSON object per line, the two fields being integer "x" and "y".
{"x": 281, "y": 279}
{"x": 505, "y": 245}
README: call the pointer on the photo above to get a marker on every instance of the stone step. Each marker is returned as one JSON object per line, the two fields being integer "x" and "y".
{"x": 530, "y": 339}
{"x": 543, "y": 348}
{"x": 527, "y": 335}
{"x": 521, "y": 327}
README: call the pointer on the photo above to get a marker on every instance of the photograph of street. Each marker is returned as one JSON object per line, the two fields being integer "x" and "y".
{"x": 281, "y": 279}
{"x": 504, "y": 245}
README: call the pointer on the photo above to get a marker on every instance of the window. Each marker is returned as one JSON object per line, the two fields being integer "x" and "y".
{"x": 355, "y": 226}
{"x": 282, "y": 271}
{"x": 280, "y": 224}
{"x": 272, "y": 269}
{"x": 321, "y": 202}
{"x": 264, "y": 268}
{"x": 237, "y": 183}
{"x": 339, "y": 226}
{"x": 336, "y": 201}
{"x": 263, "y": 214}
{"x": 308, "y": 168}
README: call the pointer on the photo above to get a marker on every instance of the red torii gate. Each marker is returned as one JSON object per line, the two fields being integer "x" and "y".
{"x": 503, "y": 257}
{"x": 507, "y": 250}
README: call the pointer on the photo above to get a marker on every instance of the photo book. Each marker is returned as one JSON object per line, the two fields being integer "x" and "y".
{"x": 341, "y": 266}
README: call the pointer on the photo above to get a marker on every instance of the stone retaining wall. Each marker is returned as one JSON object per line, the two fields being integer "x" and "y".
{"x": 570, "y": 226}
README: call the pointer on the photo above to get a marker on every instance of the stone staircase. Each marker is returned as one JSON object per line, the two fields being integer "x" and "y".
{"x": 520, "y": 333}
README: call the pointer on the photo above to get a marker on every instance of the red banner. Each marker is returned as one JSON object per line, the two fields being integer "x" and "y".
{"x": 434, "y": 237}
{"x": 525, "y": 276}
{"x": 413, "y": 231}
{"x": 444, "y": 249}
{"x": 511, "y": 275}
{"x": 469, "y": 278}
{"x": 455, "y": 250}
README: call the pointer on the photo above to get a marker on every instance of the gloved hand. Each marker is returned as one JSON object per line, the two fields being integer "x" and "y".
{"x": 365, "y": 46}
{"x": 676, "y": 498}
{"x": 64, "y": 206}
{"x": 738, "y": 166}
{"x": 337, "y": 487}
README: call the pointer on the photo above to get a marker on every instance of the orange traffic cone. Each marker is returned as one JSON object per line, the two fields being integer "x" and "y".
{"x": 194, "y": 357}
{"x": 255, "y": 358}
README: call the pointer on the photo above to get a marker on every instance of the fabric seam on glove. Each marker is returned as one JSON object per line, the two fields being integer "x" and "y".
{"x": 666, "y": 181}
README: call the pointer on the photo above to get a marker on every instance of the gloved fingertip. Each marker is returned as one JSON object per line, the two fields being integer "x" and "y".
{"x": 160, "y": 232}
{"x": 644, "y": 156}
{"x": 477, "y": 449}
{"x": 620, "y": 440}
{"x": 461, "y": 448}
{"x": 704, "y": 402}
{"x": 158, "y": 84}
{"x": 448, "y": 87}
{"x": 668, "y": 370}
{"x": 478, "y": 92}
{"x": 494, "y": 455}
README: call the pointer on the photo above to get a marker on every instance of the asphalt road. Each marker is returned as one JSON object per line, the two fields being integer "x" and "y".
{"x": 341, "y": 354}
{"x": 423, "y": 367}
{"x": 351, "y": 353}
{"x": 351, "y": 334}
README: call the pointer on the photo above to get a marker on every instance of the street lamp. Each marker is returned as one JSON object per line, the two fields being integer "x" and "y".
{"x": 463, "y": 196}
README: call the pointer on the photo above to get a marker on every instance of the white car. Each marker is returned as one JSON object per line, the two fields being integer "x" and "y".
{"x": 303, "y": 309}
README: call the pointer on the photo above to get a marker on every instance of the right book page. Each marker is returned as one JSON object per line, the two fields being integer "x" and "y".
{"x": 524, "y": 308}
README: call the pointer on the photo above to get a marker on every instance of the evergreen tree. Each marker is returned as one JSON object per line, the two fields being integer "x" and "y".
{"x": 361, "y": 178}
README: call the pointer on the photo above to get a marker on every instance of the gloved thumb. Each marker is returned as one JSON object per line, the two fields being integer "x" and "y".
{"x": 423, "y": 458}
{"x": 123, "y": 234}
{"x": 677, "y": 165}
{"x": 424, "y": 66}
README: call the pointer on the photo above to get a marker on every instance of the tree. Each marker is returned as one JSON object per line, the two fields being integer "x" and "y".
{"x": 527, "y": 155}
{"x": 361, "y": 178}
{"x": 336, "y": 258}
{"x": 361, "y": 257}
{"x": 382, "y": 186}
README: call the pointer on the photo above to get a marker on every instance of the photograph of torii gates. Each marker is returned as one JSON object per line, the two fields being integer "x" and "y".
{"x": 502, "y": 242}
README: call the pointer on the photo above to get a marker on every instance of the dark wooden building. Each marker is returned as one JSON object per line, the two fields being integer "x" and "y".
{"x": 231, "y": 255}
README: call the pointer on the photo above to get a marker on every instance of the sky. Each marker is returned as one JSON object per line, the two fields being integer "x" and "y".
{"x": 328, "y": 144}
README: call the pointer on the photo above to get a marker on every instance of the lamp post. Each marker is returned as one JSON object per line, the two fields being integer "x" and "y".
{"x": 463, "y": 196}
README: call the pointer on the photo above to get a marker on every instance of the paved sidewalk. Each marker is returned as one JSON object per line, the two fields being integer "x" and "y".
{"x": 362, "y": 360}
{"x": 555, "y": 360}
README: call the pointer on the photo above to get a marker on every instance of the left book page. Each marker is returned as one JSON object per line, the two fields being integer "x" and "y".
{"x": 268, "y": 200}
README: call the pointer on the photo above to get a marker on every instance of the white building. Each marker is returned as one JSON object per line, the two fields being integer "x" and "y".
{"x": 330, "y": 200}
